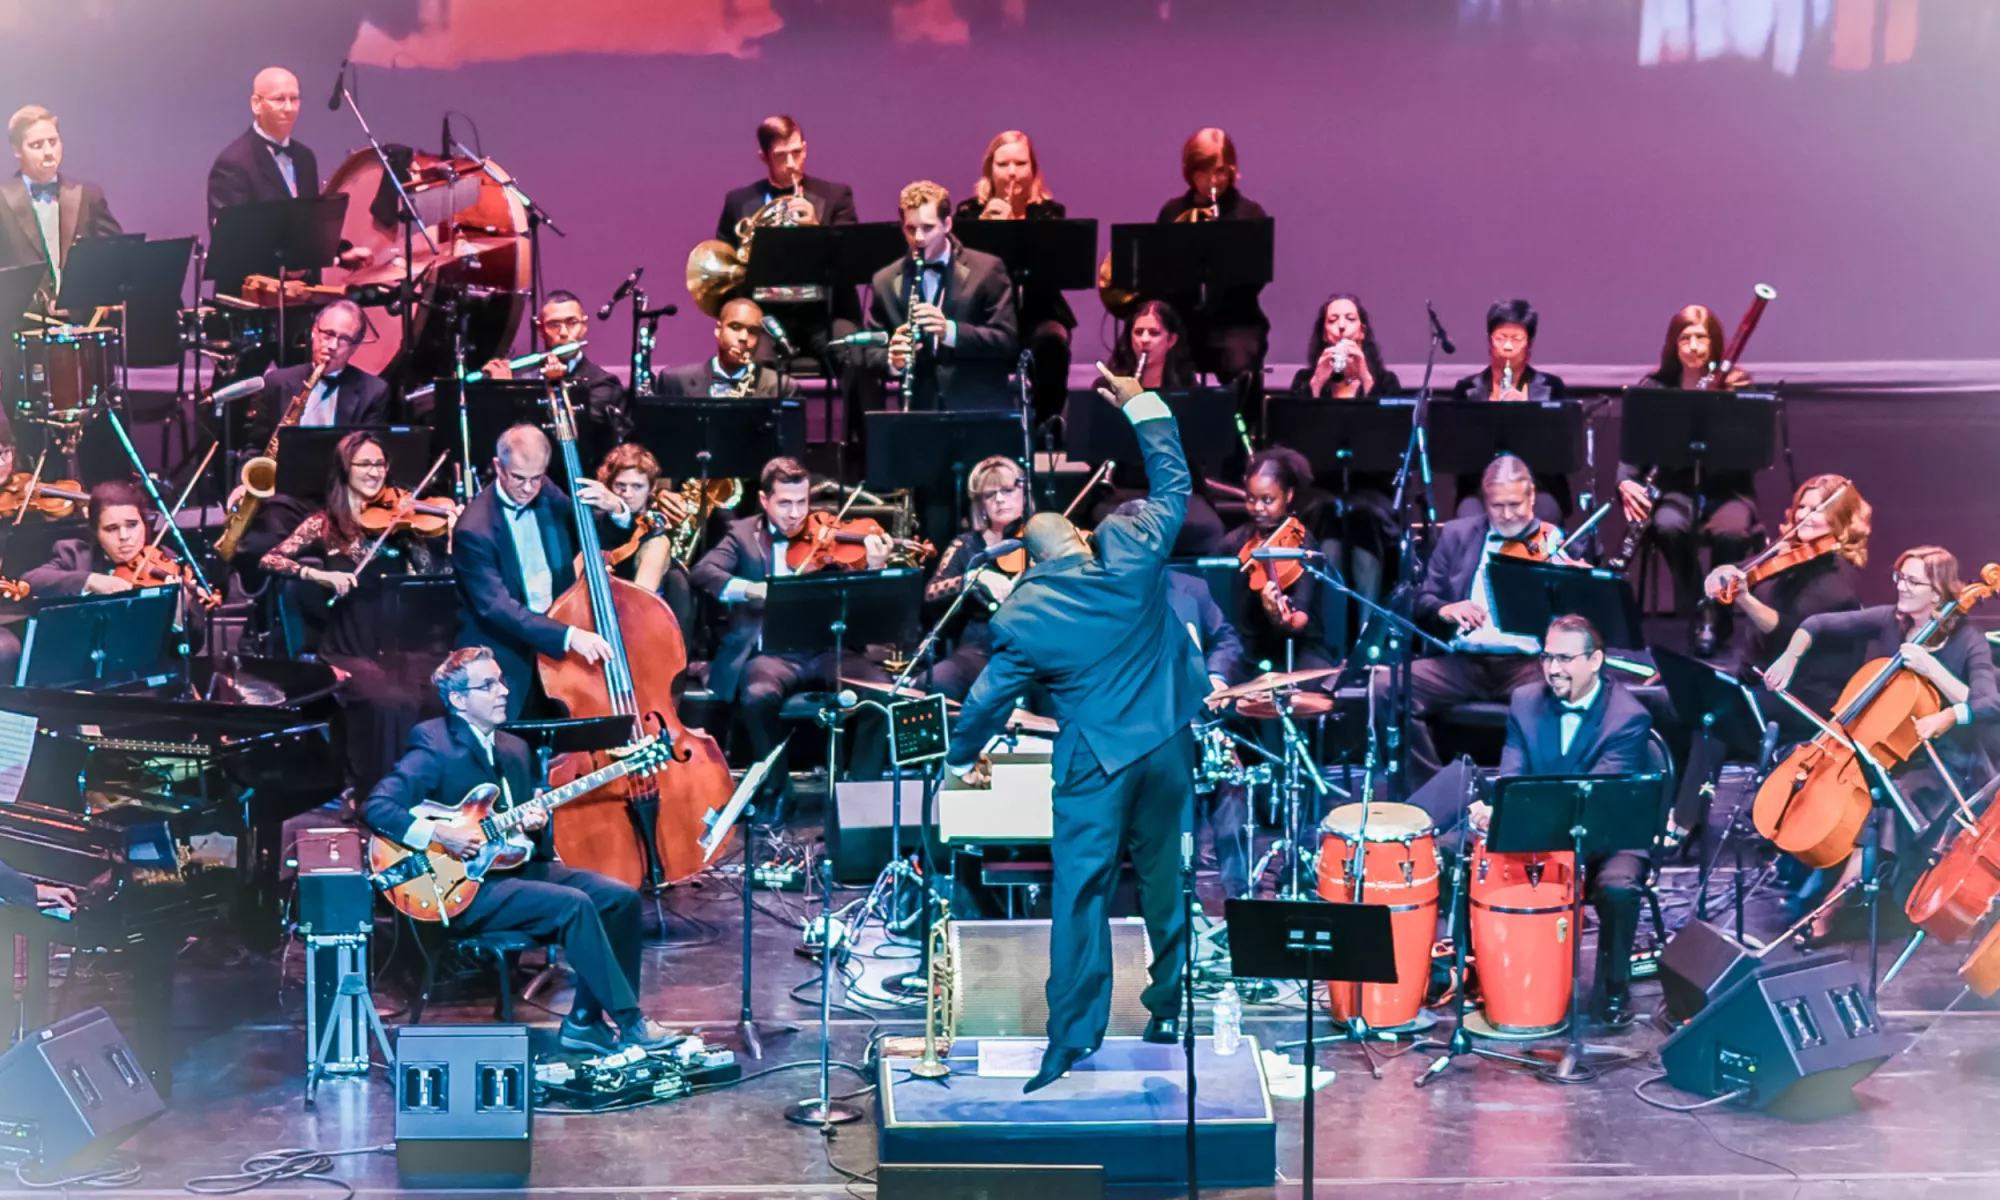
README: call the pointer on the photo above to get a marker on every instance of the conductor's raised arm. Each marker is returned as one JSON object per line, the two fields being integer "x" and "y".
{"x": 1168, "y": 482}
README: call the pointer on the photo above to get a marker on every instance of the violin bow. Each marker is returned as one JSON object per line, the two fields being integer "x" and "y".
{"x": 408, "y": 504}
{"x": 33, "y": 483}
{"x": 179, "y": 504}
{"x": 1771, "y": 551}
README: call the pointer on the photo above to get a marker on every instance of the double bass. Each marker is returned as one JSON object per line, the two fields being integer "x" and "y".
{"x": 637, "y": 829}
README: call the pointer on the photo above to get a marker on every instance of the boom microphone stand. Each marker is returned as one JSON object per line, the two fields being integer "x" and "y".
{"x": 1416, "y": 456}
{"x": 406, "y": 291}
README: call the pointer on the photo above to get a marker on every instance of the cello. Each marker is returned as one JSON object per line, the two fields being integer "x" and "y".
{"x": 1813, "y": 804}
{"x": 639, "y": 830}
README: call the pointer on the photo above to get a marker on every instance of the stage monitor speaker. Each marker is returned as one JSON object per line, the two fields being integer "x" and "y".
{"x": 1702, "y": 961}
{"x": 857, "y": 834}
{"x": 1000, "y": 969}
{"x": 71, "y": 1093}
{"x": 464, "y": 1118}
{"x": 923, "y": 1181}
{"x": 1793, "y": 1037}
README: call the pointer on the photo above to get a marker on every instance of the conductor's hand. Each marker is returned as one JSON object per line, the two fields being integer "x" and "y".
{"x": 1119, "y": 389}
{"x": 981, "y": 774}
{"x": 497, "y": 368}
{"x": 1637, "y": 505}
{"x": 1468, "y": 615}
{"x": 462, "y": 842}
{"x": 588, "y": 646}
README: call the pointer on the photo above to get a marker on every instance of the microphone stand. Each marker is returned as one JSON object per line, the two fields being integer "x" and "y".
{"x": 412, "y": 223}
{"x": 1411, "y": 566}
{"x": 537, "y": 217}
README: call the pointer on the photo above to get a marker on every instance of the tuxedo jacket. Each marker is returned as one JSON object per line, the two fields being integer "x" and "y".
{"x": 358, "y": 399}
{"x": 493, "y": 597}
{"x": 1218, "y": 647}
{"x": 1611, "y": 740}
{"x": 691, "y": 383}
{"x": 246, "y": 172}
{"x": 1454, "y": 561}
{"x": 979, "y": 295}
{"x": 1098, "y": 629}
{"x": 833, "y": 204}
{"x": 82, "y": 211}
{"x": 603, "y": 410}
{"x": 442, "y": 762}
{"x": 742, "y": 553}
{"x": 70, "y": 565}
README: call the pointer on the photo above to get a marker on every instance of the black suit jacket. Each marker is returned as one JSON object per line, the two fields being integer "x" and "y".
{"x": 15, "y": 888}
{"x": 247, "y": 173}
{"x": 1237, "y": 306}
{"x": 833, "y": 204}
{"x": 443, "y": 762}
{"x": 1099, "y": 631}
{"x": 493, "y": 600}
{"x": 1539, "y": 384}
{"x": 360, "y": 399}
{"x": 979, "y": 295}
{"x": 1610, "y": 741}
{"x": 742, "y": 553}
{"x": 83, "y": 214}
{"x": 603, "y": 410}
{"x": 71, "y": 562}
{"x": 1454, "y": 561}
{"x": 1217, "y": 645}
{"x": 691, "y": 383}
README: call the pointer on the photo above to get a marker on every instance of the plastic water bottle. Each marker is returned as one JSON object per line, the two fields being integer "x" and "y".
{"x": 1228, "y": 1020}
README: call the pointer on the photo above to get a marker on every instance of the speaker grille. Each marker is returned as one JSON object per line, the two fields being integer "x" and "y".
{"x": 1000, "y": 970}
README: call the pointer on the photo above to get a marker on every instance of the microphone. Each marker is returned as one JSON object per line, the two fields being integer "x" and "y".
{"x": 999, "y": 549}
{"x": 1285, "y": 554}
{"x": 339, "y": 82}
{"x": 624, "y": 290}
{"x": 1437, "y": 331}
{"x": 239, "y": 390}
{"x": 777, "y": 332}
{"x": 444, "y": 139}
{"x": 867, "y": 337}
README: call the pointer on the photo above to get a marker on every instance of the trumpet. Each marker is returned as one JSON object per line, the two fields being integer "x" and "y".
{"x": 260, "y": 475}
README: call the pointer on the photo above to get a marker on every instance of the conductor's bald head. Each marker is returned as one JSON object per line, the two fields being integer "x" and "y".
{"x": 1049, "y": 535}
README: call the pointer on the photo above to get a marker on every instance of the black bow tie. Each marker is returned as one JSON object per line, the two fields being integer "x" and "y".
{"x": 44, "y": 191}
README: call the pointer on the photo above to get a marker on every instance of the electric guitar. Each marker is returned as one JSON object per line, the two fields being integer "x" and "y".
{"x": 433, "y": 885}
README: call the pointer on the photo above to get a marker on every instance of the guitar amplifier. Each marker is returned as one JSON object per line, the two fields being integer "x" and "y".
{"x": 70, "y": 1093}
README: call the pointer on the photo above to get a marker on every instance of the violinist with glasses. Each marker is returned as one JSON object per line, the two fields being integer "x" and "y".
{"x": 330, "y": 551}
{"x": 997, "y": 489}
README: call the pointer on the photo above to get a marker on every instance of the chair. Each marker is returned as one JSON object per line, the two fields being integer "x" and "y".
{"x": 1659, "y": 758}
{"x": 502, "y": 947}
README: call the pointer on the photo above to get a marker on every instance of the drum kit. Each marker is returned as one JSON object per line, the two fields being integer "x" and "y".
{"x": 1274, "y": 696}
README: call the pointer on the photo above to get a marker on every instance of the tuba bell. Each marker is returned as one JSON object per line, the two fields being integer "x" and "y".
{"x": 716, "y": 269}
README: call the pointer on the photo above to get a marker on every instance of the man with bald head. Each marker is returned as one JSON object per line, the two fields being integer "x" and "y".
{"x": 513, "y": 553}
{"x": 1094, "y": 623}
{"x": 266, "y": 163}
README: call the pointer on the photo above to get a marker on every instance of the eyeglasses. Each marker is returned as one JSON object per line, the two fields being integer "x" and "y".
{"x": 565, "y": 322}
{"x": 339, "y": 339}
{"x": 992, "y": 494}
{"x": 371, "y": 464}
{"x": 494, "y": 684}
{"x": 1563, "y": 660}
{"x": 1913, "y": 582}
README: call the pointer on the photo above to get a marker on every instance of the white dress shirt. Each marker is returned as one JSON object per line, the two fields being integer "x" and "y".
{"x": 537, "y": 584}
{"x": 48, "y": 216}
{"x": 930, "y": 287}
{"x": 1571, "y": 719}
{"x": 1488, "y": 638}
{"x": 323, "y": 406}
{"x": 281, "y": 154}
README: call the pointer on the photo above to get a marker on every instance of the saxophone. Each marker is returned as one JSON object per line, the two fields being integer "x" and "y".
{"x": 720, "y": 494}
{"x": 260, "y": 474}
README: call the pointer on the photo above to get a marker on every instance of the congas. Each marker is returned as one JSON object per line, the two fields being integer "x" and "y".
{"x": 1399, "y": 868}
{"x": 70, "y": 368}
{"x": 1521, "y": 938}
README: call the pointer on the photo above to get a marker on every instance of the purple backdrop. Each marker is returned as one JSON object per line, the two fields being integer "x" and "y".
{"x": 1461, "y": 150}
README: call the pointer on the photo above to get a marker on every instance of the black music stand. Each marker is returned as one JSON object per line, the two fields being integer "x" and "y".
{"x": 1052, "y": 254}
{"x": 1351, "y": 435}
{"x": 827, "y": 256}
{"x": 306, "y": 455}
{"x": 1528, "y": 595}
{"x": 1725, "y": 722}
{"x": 272, "y": 237}
{"x": 1206, "y": 416}
{"x": 1710, "y": 433}
{"x": 931, "y": 453}
{"x": 18, "y": 286}
{"x": 1184, "y": 258}
{"x": 719, "y": 439}
{"x": 1311, "y": 942}
{"x": 492, "y": 407}
{"x": 866, "y": 607}
{"x": 569, "y": 735}
{"x": 1591, "y": 816}
{"x": 90, "y": 643}
{"x": 1466, "y": 435}
{"x": 421, "y": 614}
{"x": 144, "y": 278}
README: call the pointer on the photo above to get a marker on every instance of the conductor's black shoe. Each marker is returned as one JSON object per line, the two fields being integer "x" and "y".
{"x": 1056, "y": 1061}
{"x": 1163, "y": 1031}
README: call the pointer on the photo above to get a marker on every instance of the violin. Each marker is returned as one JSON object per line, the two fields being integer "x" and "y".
{"x": 1780, "y": 556}
{"x": 827, "y": 541}
{"x": 1016, "y": 561}
{"x": 393, "y": 508}
{"x": 55, "y": 499}
{"x": 1542, "y": 543}
{"x": 648, "y": 522}
{"x": 1814, "y": 803}
{"x": 1288, "y": 536}
{"x": 156, "y": 566}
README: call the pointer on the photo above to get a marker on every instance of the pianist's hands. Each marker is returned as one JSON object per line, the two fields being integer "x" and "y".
{"x": 48, "y": 895}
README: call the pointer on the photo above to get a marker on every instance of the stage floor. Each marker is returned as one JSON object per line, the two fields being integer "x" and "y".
{"x": 1481, "y": 1129}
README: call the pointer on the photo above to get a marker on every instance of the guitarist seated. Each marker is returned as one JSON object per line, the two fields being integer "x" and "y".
{"x": 594, "y": 919}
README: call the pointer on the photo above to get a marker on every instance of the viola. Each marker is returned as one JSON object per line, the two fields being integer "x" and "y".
{"x": 1016, "y": 561}
{"x": 393, "y": 508}
{"x": 1781, "y": 556}
{"x": 52, "y": 498}
{"x": 1542, "y": 542}
{"x": 156, "y": 566}
{"x": 1290, "y": 535}
{"x": 1813, "y": 804}
{"x": 840, "y": 543}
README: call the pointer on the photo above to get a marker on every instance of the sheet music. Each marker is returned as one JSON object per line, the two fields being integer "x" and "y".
{"x": 17, "y": 743}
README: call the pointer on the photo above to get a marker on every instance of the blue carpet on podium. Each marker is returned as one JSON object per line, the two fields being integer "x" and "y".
{"x": 1124, "y": 1108}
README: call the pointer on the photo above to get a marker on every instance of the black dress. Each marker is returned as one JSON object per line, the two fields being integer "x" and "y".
{"x": 1827, "y": 584}
{"x": 1263, "y": 640}
{"x": 1721, "y": 513}
{"x": 953, "y": 673}
{"x": 1045, "y": 317}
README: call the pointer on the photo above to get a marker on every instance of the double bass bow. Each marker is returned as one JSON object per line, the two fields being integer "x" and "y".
{"x": 641, "y": 830}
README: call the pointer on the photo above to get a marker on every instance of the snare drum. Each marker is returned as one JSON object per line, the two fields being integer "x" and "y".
{"x": 1399, "y": 868}
{"x": 1521, "y": 913}
{"x": 69, "y": 367}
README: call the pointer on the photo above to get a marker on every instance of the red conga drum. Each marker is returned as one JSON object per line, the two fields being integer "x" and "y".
{"x": 1399, "y": 868}
{"x": 1520, "y": 938}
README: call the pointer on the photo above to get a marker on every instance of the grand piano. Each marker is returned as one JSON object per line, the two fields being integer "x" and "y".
{"x": 159, "y": 804}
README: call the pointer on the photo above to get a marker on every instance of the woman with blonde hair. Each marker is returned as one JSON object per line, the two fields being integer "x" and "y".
{"x": 998, "y": 491}
{"x": 1011, "y": 188}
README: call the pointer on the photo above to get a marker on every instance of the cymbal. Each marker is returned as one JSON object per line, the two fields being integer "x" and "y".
{"x": 1305, "y": 704}
{"x": 1272, "y": 681}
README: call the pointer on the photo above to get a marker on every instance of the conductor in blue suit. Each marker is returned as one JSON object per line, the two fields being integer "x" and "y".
{"x": 1092, "y": 622}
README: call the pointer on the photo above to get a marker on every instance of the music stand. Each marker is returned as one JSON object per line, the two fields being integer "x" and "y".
{"x": 1052, "y": 254}
{"x": 931, "y": 452}
{"x": 1726, "y": 722}
{"x": 492, "y": 407}
{"x": 1466, "y": 435}
{"x": 272, "y": 237}
{"x": 421, "y": 614}
{"x": 143, "y": 278}
{"x": 824, "y": 255}
{"x": 884, "y": 607}
{"x": 1711, "y": 433}
{"x": 1185, "y": 258}
{"x": 1354, "y": 435}
{"x": 306, "y": 455}
{"x": 719, "y": 439}
{"x": 89, "y": 643}
{"x": 1206, "y": 416}
{"x": 1528, "y": 595}
{"x": 1310, "y": 941}
{"x": 1591, "y": 816}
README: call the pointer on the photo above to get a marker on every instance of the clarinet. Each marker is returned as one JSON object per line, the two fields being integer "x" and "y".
{"x": 910, "y": 294}
{"x": 1635, "y": 530}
